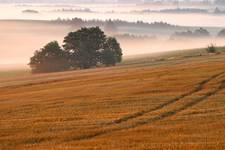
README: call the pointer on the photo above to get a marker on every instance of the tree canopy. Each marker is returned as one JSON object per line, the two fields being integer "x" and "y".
{"x": 112, "y": 53}
{"x": 84, "y": 46}
{"x": 50, "y": 58}
{"x": 82, "y": 49}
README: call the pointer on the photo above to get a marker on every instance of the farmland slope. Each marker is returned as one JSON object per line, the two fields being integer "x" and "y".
{"x": 173, "y": 103}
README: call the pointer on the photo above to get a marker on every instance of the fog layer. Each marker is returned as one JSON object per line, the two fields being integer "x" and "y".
{"x": 107, "y": 11}
{"x": 19, "y": 40}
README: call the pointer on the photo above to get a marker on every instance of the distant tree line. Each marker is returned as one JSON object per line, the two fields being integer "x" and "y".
{"x": 127, "y": 36}
{"x": 198, "y": 33}
{"x": 184, "y": 10}
{"x": 74, "y": 10}
{"x": 82, "y": 49}
{"x": 78, "y": 22}
{"x": 216, "y": 10}
{"x": 219, "y": 2}
{"x": 221, "y": 34}
{"x": 111, "y": 27}
{"x": 30, "y": 11}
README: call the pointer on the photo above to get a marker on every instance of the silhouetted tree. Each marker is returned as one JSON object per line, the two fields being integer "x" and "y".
{"x": 84, "y": 46}
{"x": 211, "y": 49}
{"x": 50, "y": 58}
{"x": 201, "y": 32}
{"x": 83, "y": 49}
{"x": 112, "y": 52}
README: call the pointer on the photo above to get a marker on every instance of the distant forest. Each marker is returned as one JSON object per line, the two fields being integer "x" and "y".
{"x": 78, "y": 22}
{"x": 111, "y": 27}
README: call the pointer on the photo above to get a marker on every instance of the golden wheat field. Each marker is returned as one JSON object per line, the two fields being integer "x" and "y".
{"x": 166, "y": 104}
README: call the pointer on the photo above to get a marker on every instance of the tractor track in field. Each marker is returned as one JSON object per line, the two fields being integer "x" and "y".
{"x": 159, "y": 117}
{"x": 198, "y": 88}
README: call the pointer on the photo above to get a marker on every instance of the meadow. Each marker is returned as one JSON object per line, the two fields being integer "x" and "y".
{"x": 166, "y": 102}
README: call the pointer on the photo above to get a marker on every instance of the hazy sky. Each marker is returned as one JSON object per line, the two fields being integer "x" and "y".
{"x": 37, "y": 1}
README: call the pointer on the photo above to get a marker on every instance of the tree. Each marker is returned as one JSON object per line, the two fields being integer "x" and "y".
{"x": 198, "y": 33}
{"x": 83, "y": 49}
{"x": 221, "y": 34}
{"x": 84, "y": 46}
{"x": 201, "y": 32}
{"x": 182, "y": 35}
{"x": 50, "y": 58}
{"x": 112, "y": 52}
{"x": 211, "y": 49}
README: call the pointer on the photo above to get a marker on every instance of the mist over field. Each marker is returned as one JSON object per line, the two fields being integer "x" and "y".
{"x": 19, "y": 40}
{"x": 128, "y": 12}
{"x": 20, "y": 36}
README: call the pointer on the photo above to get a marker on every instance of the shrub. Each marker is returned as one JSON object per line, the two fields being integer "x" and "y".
{"x": 211, "y": 49}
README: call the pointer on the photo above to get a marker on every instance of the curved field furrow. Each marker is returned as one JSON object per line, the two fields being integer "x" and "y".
{"x": 198, "y": 88}
{"x": 169, "y": 106}
{"x": 163, "y": 115}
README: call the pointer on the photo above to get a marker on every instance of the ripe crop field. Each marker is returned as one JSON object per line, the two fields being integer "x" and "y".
{"x": 174, "y": 103}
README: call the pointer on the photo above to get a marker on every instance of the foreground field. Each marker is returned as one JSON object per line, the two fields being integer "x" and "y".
{"x": 177, "y": 103}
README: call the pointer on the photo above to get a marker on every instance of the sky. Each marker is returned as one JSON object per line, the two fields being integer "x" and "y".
{"x": 55, "y": 1}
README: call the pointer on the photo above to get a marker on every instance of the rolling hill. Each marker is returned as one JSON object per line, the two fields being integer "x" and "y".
{"x": 146, "y": 103}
